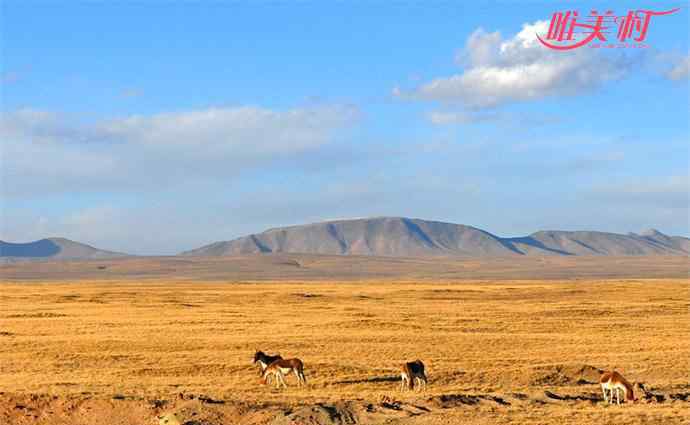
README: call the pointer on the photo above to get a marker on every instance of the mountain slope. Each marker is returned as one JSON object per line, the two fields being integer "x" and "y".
{"x": 54, "y": 248}
{"x": 389, "y": 236}
{"x": 675, "y": 242}
{"x": 404, "y": 237}
{"x": 601, "y": 243}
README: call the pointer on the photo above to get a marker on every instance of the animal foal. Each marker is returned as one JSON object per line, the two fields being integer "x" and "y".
{"x": 410, "y": 372}
{"x": 264, "y": 360}
{"x": 614, "y": 381}
{"x": 282, "y": 367}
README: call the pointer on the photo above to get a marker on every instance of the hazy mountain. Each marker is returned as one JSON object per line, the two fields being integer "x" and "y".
{"x": 405, "y": 237}
{"x": 675, "y": 242}
{"x": 602, "y": 243}
{"x": 53, "y": 248}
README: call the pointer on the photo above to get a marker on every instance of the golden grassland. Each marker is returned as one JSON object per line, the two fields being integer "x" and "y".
{"x": 496, "y": 352}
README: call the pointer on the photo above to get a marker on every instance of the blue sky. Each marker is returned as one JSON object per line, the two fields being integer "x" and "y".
{"x": 155, "y": 127}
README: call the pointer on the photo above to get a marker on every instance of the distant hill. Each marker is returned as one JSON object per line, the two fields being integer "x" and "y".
{"x": 406, "y": 237}
{"x": 53, "y": 248}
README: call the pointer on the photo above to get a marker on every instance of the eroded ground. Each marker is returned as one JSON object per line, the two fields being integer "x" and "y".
{"x": 124, "y": 352}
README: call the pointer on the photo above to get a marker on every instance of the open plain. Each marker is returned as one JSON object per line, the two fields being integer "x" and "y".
{"x": 152, "y": 349}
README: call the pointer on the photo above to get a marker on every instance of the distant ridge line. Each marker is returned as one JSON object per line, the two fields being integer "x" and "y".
{"x": 389, "y": 237}
{"x": 54, "y": 248}
{"x": 411, "y": 237}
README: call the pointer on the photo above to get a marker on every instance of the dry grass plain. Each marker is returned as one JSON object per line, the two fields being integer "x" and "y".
{"x": 524, "y": 351}
{"x": 335, "y": 268}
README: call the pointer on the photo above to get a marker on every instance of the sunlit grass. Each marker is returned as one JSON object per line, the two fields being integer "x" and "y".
{"x": 161, "y": 338}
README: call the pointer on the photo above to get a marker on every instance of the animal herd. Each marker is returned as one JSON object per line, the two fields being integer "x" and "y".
{"x": 413, "y": 374}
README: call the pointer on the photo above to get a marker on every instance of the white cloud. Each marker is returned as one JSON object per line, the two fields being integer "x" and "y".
{"x": 462, "y": 117}
{"x": 44, "y": 152}
{"x": 499, "y": 71}
{"x": 253, "y": 130}
{"x": 480, "y": 48}
{"x": 512, "y": 119}
{"x": 680, "y": 70}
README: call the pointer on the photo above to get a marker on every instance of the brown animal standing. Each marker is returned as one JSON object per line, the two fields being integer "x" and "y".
{"x": 282, "y": 367}
{"x": 410, "y": 372}
{"x": 264, "y": 360}
{"x": 614, "y": 381}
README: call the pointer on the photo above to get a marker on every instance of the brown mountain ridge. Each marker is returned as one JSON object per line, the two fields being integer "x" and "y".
{"x": 409, "y": 237}
{"x": 54, "y": 248}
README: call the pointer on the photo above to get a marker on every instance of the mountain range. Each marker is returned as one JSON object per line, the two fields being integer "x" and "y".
{"x": 406, "y": 237}
{"x": 54, "y": 248}
{"x": 392, "y": 237}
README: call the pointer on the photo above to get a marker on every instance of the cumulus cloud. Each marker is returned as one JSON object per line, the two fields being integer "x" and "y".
{"x": 498, "y": 71}
{"x": 46, "y": 152}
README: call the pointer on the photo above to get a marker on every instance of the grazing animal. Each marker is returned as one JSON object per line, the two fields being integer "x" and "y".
{"x": 282, "y": 367}
{"x": 264, "y": 360}
{"x": 410, "y": 372}
{"x": 614, "y": 381}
